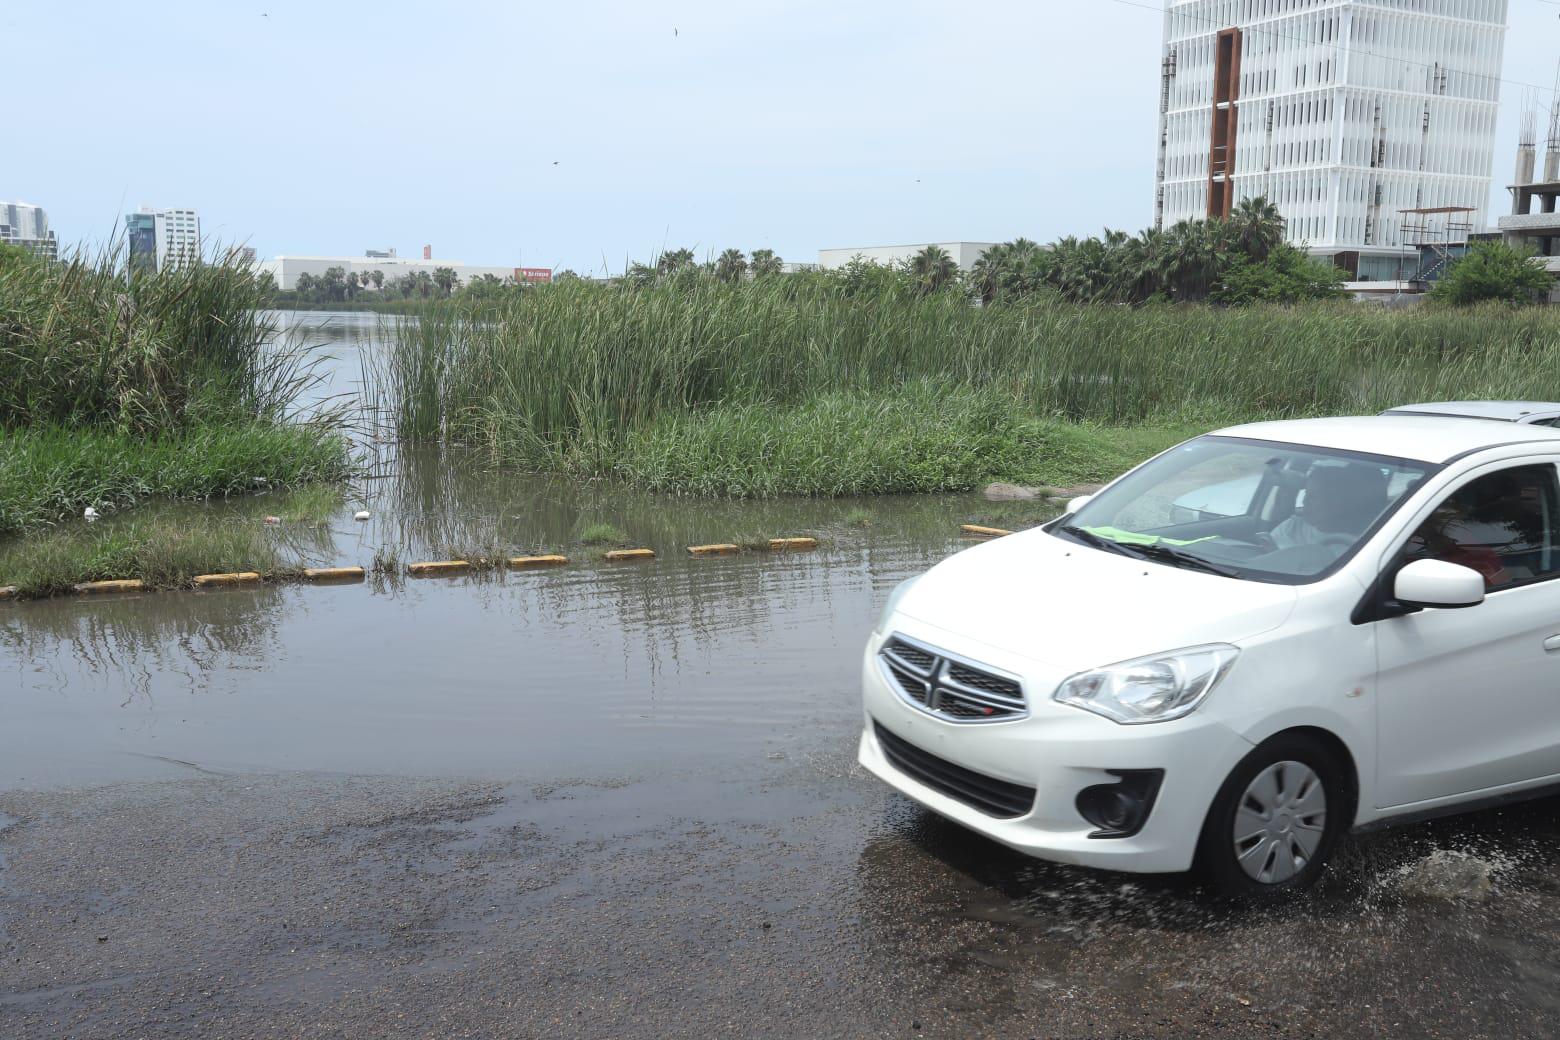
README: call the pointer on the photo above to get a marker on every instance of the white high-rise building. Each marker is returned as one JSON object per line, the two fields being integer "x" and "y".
{"x": 27, "y": 226}
{"x": 160, "y": 238}
{"x": 1369, "y": 123}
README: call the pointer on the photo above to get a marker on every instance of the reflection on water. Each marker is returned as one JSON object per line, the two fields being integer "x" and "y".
{"x": 586, "y": 667}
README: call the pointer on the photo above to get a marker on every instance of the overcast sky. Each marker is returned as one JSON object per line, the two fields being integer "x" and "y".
{"x": 577, "y": 132}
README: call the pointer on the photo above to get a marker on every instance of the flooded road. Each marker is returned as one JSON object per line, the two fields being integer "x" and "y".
{"x": 621, "y": 800}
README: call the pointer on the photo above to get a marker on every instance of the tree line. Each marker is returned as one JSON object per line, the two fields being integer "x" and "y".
{"x": 1237, "y": 260}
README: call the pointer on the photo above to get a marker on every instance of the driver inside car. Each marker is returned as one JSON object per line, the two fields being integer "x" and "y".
{"x": 1339, "y": 500}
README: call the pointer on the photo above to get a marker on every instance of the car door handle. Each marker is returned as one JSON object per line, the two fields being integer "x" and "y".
{"x": 1552, "y": 644}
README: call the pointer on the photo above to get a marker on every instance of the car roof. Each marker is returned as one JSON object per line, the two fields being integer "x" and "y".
{"x": 1506, "y": 411}
{"x": 1422, "y": 438}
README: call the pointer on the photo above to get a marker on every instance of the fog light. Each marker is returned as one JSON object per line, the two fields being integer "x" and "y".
{"x": 1120, "y": 809}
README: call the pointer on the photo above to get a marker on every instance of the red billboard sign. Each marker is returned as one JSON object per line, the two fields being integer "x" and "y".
{"x": 534, "y": 275}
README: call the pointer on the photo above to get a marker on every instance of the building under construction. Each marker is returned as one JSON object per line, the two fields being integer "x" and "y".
{"x": 1534, "y": 221}
{"x": 1367, "y": 122}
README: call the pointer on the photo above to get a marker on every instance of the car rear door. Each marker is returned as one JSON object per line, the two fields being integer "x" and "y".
{"x": 1469, "y": 699}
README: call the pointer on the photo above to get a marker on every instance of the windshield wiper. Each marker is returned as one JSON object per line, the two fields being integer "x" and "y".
{"x": 1184, "y": 559}
{"x": 1157, "y": 551}
{"x": 1090, "y": 538}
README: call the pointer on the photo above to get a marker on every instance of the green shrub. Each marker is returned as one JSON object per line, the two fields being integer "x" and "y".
{"x": 1493, "y": 272}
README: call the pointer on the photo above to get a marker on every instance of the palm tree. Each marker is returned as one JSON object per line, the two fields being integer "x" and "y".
{"x": 986, "y": 273}
{"x": 1256, "y": 226}
{"x": 444, "y": 278}
{"x": 378, "y": 279}
{"x": 1201, "y": 251}
{"x": 731, "y": 266}
{"x": 1082, "y": 269}
{"x": 334, "y": 282}
{"x": 931, "y": 269}
{"x": 1027, "y": 268}
{"x": 765, "y": 261}
{"x": 674, "y": 260}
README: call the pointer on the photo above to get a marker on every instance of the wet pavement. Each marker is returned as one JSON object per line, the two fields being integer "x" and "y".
{"x": 621, "y": 800}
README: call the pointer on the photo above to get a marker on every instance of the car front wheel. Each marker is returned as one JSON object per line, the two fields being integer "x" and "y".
{"x": 1276, "y": 819}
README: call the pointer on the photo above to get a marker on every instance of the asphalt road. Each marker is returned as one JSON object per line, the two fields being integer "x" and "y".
{"x": 795, "y": 898}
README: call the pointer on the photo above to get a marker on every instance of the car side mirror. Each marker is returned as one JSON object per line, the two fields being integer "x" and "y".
{"x": 1075, "y": 504}
{"x": 1436, "y": 583}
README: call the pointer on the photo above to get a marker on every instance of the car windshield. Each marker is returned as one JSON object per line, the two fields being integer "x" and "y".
{"x": 1246, "y": 509}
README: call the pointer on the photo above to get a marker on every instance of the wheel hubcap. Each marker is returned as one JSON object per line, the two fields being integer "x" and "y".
{"x": 1279, "y": 822}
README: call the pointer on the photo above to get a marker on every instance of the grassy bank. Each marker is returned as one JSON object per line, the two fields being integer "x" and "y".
{"x": 163, "y": 553}
{"x": 119, "y": 387}
{"x": 166, "y": 544}
{"x": 286, "y": 302}
{"x": 805, "y": 384}
{"x": 52, "y": 473}
{"x": 927, "y": 437}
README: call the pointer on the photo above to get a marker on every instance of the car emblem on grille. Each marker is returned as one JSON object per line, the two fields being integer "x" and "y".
{"x": 950, "y": 688}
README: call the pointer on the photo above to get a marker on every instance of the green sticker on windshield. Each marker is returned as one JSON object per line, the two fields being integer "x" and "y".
{"x": 1116, "y": 534}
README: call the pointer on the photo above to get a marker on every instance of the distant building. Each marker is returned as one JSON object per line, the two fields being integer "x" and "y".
{"x": 244, "y": 255}
{"x": 163, "y": 238}
{"x": 1534, "y": 222}
{"x": 286, "y": 269}
{"x": 379, "y": 254}
{"x": 964, "y": 254}
{"x": 141, "y": 238}
{"x": 27, "y": 226}
{"x": 1358, "y": 119}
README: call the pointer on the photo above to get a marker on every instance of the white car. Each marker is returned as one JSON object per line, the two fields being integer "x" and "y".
{"x": 1143, "y": 686}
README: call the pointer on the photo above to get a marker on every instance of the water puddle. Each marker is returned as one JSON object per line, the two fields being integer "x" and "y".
{"x": 564, "y": 671}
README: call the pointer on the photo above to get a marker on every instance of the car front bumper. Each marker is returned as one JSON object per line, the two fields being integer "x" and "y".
{"x": 1058, "y": 751}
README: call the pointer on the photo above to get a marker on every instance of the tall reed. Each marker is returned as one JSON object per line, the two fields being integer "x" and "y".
{"x": 570, "y": 371}
{"x": 117, "y": 386}
{"x": 85, "y": 342}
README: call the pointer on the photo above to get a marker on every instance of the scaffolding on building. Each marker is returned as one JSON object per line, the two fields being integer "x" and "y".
{"x": 1438, "y": 235}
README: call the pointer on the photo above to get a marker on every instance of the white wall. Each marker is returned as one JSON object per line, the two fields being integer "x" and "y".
{"x": 286, "y": 269}
{"x": 964, "y": 254}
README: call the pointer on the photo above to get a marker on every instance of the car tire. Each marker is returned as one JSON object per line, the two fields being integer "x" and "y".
{"x": 1263, "y": 838}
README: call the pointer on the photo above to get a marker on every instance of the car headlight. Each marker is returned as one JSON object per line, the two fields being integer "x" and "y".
{"x": 1150, "y": 689}
{"x": 893, "y": 602}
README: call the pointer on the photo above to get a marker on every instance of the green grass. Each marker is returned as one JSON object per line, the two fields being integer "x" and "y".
{"x": 793, "y": 385}
{"x": 603, "y": 534}
{"x": 314, "y": 504}
{"x": 927, "y": 438}
{"x": 858, "y": 517}
{"x": 50, "y": 473}
{"x": 163, "y": 552}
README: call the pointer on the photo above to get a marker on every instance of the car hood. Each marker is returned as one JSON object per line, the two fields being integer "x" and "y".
{"x": 1075, "y": 607}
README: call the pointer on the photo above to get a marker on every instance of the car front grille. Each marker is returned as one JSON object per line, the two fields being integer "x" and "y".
{"x": 998, "y": 798}
{"x": 951, "y": 689}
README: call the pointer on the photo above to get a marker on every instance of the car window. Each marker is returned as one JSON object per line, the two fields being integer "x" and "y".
{"x": 1502, "y": 525}
{"x": 1262, "y": 510}
{"x": 1218, "y": 485}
